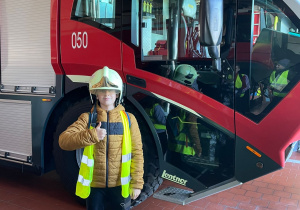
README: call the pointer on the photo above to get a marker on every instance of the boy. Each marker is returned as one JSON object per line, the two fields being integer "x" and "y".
{"x": 107, "y": 138}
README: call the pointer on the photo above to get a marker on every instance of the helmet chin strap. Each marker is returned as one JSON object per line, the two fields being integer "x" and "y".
{"x": 91, "y": 98}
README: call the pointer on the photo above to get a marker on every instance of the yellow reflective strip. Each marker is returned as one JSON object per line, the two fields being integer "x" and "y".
{"x": 159, "y": 126}
{"x": 184, "y": 121}
{"x": 125, "y": 180}
{"x": 84, "y": 159}
{"x": 126, "y": 158}
{"x": 126, "y": 148}
{"x": 275, "y": 22}
{"x": 83, "y": 181}
{"x": 90, "y": 163}
{"x": 87, "y": 161}
{"x": 80, "y": 178}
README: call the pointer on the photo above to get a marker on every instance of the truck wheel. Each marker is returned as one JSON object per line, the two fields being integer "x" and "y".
{"x": 68, "y": 162}
{"x": 152, "y": 180}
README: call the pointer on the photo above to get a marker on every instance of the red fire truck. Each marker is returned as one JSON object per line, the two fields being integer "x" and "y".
{"x": 174, "y": 56}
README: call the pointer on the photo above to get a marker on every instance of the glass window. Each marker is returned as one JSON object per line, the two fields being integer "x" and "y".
{"x": 270, "y": 67}
{"x": 160, "y": 19}
{"x": 157, "y": 11}
{"x": 170, "y": 47}
{"x": 154, "y": 30}
{"x": 189, "y": 142}
{"x": 99, "y": 11}
{"x": 198, "y": 148}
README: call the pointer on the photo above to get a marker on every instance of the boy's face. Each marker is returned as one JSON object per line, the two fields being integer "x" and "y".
{"x": 107, "y": 98}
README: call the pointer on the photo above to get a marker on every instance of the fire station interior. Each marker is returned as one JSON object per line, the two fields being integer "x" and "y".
{"x": 255, "y": 45}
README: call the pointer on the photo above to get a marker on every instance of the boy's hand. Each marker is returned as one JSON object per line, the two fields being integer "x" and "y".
{"x": 134, "y": 193}
{"x": 101, "y": 133}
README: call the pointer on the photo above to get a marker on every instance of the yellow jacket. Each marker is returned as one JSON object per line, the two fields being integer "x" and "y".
{"x": 107, "y": 173}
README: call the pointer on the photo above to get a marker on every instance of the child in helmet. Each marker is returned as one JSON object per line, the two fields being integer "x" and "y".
{"x": 107, "y": 138}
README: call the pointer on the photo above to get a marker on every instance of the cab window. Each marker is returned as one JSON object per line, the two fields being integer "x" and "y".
{"x": 92, "y": 12}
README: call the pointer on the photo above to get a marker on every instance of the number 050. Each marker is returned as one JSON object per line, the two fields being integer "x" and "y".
{"x": 79, "y": 40}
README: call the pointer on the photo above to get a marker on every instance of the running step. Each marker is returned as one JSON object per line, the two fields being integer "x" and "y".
{"x": 183, "y": 197}
{"x": 173, "y": 194}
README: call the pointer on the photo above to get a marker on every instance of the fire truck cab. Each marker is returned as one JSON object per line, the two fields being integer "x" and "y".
{"x": 197, "y": 75}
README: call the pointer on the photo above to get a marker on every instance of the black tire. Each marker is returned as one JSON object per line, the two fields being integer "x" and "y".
{"x": 151, "y": 162}
{"x": 67, "y": 162}
{"x": 67, "y": 165}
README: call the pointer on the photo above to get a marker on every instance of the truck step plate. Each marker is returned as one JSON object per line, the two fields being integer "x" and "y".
{"x": 173, "y": 194}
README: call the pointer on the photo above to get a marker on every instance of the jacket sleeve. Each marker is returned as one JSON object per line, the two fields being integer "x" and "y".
{"x": 193, "y": 130}
{"x": 137, "y": 159}
{"x": 78, "y": 135}
{"x": 159, "y": 115}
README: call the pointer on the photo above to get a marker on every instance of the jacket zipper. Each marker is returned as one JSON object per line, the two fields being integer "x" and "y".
{"x": 107, "y": 141}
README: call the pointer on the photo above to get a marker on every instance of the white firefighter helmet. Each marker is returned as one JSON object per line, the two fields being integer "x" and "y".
{"x": 185, "y": 74}
{"x": 106, "y": 79}
{"x": 189, "y": 8}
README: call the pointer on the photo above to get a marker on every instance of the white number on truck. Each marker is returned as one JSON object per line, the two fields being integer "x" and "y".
{"x": 79, "y": 40}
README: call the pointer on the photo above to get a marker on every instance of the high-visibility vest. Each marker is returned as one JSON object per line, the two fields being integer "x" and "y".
{"x": 156, "y": 125}
{"x": 126, "y": 155}
{"x": 239, "y": 84}
{"x": 85, "y": 176}
{"x": 182, "y": 143}
{"x": 279, "y": 83}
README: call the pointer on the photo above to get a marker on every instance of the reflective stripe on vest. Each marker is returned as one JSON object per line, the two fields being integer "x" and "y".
{"x": 156, "y": 125}
{"x": 279, "y": 82}
{"x": 85, "y": 176}
{"x": 126, "y": 156}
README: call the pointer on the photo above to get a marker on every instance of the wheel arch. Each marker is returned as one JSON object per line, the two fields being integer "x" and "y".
{"x": 152, "y": 148}
{"x": 147, "y": 124}
{"x": 53, "y": 118}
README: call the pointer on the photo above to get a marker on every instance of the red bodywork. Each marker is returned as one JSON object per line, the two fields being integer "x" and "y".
{"x": 269, "y": 136}
{"x": 54, "y": 38}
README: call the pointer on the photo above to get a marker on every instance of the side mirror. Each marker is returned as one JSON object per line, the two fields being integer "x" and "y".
{"x": 211, "y": 27}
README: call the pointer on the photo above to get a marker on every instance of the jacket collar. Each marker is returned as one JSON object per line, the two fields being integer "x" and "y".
{"x": 116, "y": 109}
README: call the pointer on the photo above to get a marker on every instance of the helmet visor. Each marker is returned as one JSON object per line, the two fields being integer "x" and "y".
{"x": 104, "y": 83}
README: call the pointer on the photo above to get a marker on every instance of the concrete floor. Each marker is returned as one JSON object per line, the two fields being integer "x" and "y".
{"x": 278, "y": 190}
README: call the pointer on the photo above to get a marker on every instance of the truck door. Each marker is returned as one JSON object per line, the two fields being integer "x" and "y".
{"x": 203, "y": 127}
{"x": 266, "y": 53}
{"x": 186, "y": 91}
{"x": 90, "y": 36}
